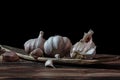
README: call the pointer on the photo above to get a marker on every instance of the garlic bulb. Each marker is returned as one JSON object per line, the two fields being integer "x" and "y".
{"x": 32, "y": 44}
{"x": 57, "y": 45}
{"x": 85, "y": 48}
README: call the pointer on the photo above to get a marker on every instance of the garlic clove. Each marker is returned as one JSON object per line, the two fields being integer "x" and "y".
{"x": 49, "y": 63}
{"x": 91, "y": 53}
{"x": 36, "y": 53}
{"x": 10, "y": 56}
{"x": 56, "y": 40}
{"x": 57, "y": 56}
{"x": 48, "y": 46}
{"x": 26, "y": 46}
{"x": 67, "y": 47}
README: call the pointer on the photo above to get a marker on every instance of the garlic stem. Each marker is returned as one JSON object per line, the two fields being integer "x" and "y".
{"x": 61, "y": 60}
{"x": 1, "y": 58}
{"x": 41, "y": 34}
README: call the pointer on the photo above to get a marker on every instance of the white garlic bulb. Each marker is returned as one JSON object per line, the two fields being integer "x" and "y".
{"x": 85, "y": 48}
{"x": 57, "y": 45}
{"x": 32, "y": 44}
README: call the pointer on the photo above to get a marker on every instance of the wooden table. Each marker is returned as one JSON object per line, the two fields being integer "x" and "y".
{"x": 28, "y": 70}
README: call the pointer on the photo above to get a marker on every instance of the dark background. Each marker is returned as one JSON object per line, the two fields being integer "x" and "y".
{"x": 20, "y": 24}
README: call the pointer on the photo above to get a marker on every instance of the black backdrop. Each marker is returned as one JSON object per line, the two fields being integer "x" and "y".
{"x": 20, "y": 25}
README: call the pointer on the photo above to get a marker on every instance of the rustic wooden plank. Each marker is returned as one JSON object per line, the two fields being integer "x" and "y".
{"x": 16, "y": 71}
{"x": 30, "y": 70}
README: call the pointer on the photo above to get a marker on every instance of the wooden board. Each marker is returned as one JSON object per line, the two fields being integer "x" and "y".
{"x": 31, "y": 70}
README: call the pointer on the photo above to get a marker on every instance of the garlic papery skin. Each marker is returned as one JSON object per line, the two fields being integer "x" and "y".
{"x": 90, "y": 53}
{"x": 85, "y": 48}
{"x": 49, "y": 63}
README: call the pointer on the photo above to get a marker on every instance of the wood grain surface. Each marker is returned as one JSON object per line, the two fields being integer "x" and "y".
{"x": 30, "y": 70}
